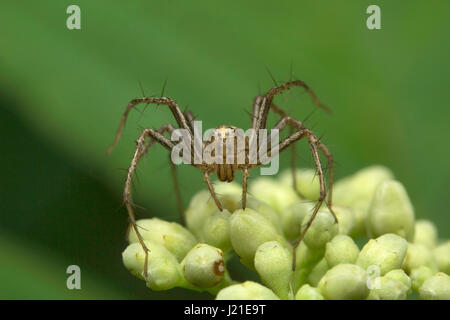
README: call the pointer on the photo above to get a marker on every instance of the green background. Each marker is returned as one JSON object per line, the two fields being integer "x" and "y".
{"x": 62, "y": 93}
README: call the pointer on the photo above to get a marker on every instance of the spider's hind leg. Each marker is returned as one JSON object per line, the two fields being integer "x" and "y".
{"x": 141, "y": 147}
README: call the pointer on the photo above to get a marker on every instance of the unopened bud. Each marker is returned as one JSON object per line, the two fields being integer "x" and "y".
{"x": 388, "y": 289}
{"x": 203, "y": 266}
{"x": 344, "y": 282}
{"x": 171, "y": 235}
{"x": 248, "y": 230}
{"x": 419, "y": 276}
{"x": 425, "y": 233}
{"x": 292, "y": 218}
{"x": 391, "y": 211}
{"x": 322, "y": 229}
{"x": 274, "y": 193}
{"x": 163, "y": 271}
{"x": 436, "y": 287}
{"x": 342, "y": 249}
{"x": 273, "y": 262}
{"x": 386, "y": 252}
{"x": 307, "y": 182}
{"x": 418, "y": 255}
{"x": 306, "y": 292}
{"x": 216, "y": 230}
{"x": 199, "y": 209}
{"x": 442, "y": 256}
{"x": 247, "y": 290}
{"x": 356, "y": 192}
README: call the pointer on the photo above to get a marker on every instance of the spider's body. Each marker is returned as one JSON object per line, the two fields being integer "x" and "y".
{"x": 226, "y": 168}
{"x": 231, "y": 149}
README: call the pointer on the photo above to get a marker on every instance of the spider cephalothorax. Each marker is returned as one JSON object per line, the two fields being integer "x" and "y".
{"x": 224, "y": 169}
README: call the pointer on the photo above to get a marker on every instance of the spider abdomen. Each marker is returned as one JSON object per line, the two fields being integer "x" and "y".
{"x": 225, "y": 172}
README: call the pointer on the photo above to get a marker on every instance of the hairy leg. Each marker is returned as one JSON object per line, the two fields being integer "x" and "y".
{"x": 313, "y": 143}
{"x": 169, "y": 128}
{"x": 266, "y": 102}
{"x": 245, "y": 176}
{"x": 176, "y": 111}
{"x": 211, "y": 189}
{"x": 280, "y": 126}
{"x": 128, "y": 184}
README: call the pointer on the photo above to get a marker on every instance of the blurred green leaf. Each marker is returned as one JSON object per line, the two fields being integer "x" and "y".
{"x": 386, "y": 88}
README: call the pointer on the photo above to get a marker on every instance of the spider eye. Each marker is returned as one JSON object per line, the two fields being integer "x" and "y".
{"x": 219, "y": 134}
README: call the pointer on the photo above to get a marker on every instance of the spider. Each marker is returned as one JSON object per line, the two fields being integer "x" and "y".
{"x": 262, "y": 104}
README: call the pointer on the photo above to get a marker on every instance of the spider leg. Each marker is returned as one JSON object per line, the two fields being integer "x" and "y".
{"x": 255, "y": 111}
{"x": 323, "y": 148}
{"x": 280, "y": 126}
{"x": 211, "y": 189}
{"x": 189, "y": 117}
{"x": 169, "y": 128}
{"x": 266, "y": 102}
{"x": 176, "y": 186}
{"x": 176, "y": 111}
{"x": 245, "y": 176}
{"x": 314, "y": 144}
{"x": 140, "y": 145}
{"x": 330, "y": 161}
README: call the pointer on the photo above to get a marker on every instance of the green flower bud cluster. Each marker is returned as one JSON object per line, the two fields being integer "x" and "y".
{"x": 401, "y": 255}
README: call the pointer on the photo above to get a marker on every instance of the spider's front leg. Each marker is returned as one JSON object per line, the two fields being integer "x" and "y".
{"x": 169, "y": 128}
{"x": 206, "y": 178}
{"x": 314, "y": 144}
{"x": 245, "y": 175}
{"x": 139, "y": 152}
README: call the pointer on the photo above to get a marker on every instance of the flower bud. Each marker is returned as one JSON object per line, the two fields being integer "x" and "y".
{"x": 386, "y": 252}
{"x": 342, "y": 249}
{"x": 227, "y": 188}
{"x": 248, "y": 230}
{"x": 425, "y": 233}
{"x": 229, "y": 194}
{"x": 400, "y": 275}
{"x": 171, "y": 235}
{"x": 322, "y": 229}
{"x": 388, "y": 289}
{"x": 345, "y": 216}
{"x": 436, "y": 287}
{"x": 292, "y": 218}
{"x": 264, "y": 210}
{"x": 391, "y": 211}
{"x": 163, "y": 271}
{"x": 306, "y": 292}
{"x": 203, "y": 266}
{"x": 199, "y": 209}
{"x": 442, "y": 256}
{"x": 306, "y": 260}
{"x": 307, "y": 182}
{"x": 346, "y": 219}
{"x": 247, "y": 290}
{"x": 273, "y": 262}
{"x": 360, "y": 186}
{"x": 216, "y": 230}
{"x": 274, "y": 193}
{"x": 419, "y": 276}
{"x": 418, "y": 255}
{"x": 344, "y": 282}
{"x": 357, "y": 192}
{"x": 318, "y": 272}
